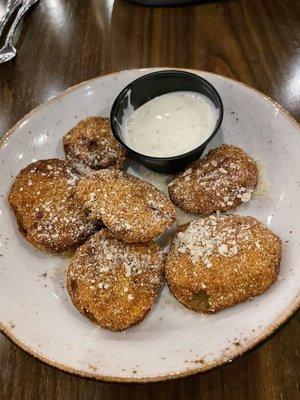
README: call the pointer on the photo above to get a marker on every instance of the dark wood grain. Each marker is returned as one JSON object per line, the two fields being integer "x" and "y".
{"x": 64, "y": 42}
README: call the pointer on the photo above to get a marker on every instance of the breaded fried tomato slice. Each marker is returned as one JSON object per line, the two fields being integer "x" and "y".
{"x": 113, "y": 283}
{"x": 220, "y": 181}
{"x": 90, "y": 145}
{"x": 42, "y": 199}
{"x": 134, "y": 210}
{"x": 217, "y": 262}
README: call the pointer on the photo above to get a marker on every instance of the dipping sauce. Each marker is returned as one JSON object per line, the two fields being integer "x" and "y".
{"x": 171, "y": 124}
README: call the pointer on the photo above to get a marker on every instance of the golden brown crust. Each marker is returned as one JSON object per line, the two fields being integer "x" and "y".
{"x": 215, "y": 263}
{"x": 90, "y": 145}
{"x": 113, "y": 283}
{"x": 42, "y": 199}
{"x": 220, "y": 181}
{"x": 134, "y": 210}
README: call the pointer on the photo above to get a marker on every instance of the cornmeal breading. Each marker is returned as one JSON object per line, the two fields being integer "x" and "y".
{"x": 42, "y": 198}
{"x": 113, "y": 283}
{"x": 217, "y": 262}
{"x": 134, "y": 210}
{"x": 220, "y": 181}
{"x": 90, "y": 145}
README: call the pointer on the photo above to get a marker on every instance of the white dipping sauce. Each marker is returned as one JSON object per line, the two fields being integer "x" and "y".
{"x": 171, "y": 124}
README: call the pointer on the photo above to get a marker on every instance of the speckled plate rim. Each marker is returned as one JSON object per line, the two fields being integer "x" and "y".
{"x": 295, "y": 305}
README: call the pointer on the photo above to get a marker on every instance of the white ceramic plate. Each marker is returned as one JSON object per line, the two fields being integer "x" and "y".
{"x": 35, "y": 310}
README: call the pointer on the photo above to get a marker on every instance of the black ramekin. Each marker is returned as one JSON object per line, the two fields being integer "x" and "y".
{"x": 155, "y": 84}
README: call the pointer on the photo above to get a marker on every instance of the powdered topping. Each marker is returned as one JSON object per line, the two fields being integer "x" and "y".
{"x": 103, "y": 255}
{"x": 211, "y": 237}
{"x": 72, "y": 179}
{"x": 246, "y": 196}
{"x": 81, "y": 168}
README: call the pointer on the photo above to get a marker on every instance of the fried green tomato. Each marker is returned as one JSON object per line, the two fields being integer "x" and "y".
{"x": 90, "y": 145}
{"x": 113, "y": 283}
{"x": 223, "y": 179}
{"x": 134, "y": 210}
{"x": 49, "y": 217}
{"x": 215, "y": 263}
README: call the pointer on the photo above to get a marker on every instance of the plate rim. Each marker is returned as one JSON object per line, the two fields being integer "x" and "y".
{"x": 289, "y": 312}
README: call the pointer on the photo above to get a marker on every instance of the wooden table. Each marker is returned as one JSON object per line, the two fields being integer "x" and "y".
{"x": 64, "y": 42}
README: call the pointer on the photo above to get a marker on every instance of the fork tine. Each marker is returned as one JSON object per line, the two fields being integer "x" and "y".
{"x": 10, "y": 9}
{"x": 8, "y": 51}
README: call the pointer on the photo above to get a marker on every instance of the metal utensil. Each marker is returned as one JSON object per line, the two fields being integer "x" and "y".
{"x": 11, "y": 7}
{"x": 8, "y": 51}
